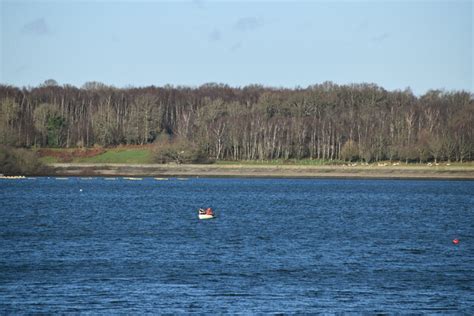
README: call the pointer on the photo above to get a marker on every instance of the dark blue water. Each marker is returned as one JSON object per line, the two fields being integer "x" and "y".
{"x": 279, "y": 245}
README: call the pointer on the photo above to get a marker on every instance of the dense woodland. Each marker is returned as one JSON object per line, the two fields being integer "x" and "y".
{"x": 324, "y": 121}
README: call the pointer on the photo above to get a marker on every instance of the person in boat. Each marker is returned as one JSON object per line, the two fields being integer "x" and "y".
{"x": 209, "y": 211}
{"x": 202, "y": 211}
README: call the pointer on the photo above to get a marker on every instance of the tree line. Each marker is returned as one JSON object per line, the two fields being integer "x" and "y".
{"x": 324, "y": 121}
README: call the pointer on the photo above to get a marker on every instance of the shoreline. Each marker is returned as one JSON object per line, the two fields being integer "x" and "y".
{"x": 262, "y": 171}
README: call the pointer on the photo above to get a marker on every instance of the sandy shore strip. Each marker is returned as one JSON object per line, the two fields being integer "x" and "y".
{"x": 264, "y": 171}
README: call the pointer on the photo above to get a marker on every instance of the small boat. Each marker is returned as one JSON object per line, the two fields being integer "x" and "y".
{"x": 206, "y": 214}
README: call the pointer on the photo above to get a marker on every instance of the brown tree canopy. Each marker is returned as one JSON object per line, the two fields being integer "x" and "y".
{"x": 324, "y": 121}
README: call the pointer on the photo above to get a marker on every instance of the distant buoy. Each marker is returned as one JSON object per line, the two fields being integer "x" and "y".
{"x": 455, "y": 241}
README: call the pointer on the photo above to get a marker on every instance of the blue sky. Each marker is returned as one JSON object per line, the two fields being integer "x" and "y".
{"x": 423, "y": 45}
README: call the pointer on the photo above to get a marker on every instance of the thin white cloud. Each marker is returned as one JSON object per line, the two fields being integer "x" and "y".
{"x": 199, "y": 4}
{"x": 215, "y": 35}
{"x": 380, "y": 38}
{"x": 236, "y": 46}
{"x": 248, "y": 24}
{"x": 37, "y": 27}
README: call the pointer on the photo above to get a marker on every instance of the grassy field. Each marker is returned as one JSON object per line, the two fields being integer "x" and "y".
{"x": 138, "y": 161}
{"x": 131, "y": 156}
{"x": 144, "y": 155}
{"x": 108, "y": 155}
{"x": 49, "y": 160}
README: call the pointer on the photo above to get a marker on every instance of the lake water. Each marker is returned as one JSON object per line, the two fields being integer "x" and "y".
{"x": 278, "y": 245}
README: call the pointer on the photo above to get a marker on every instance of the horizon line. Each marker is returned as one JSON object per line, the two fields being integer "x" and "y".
{"x": 222, "y": 84}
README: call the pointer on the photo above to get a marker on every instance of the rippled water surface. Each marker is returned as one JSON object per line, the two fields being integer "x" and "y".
{"x": 278, "y": 245}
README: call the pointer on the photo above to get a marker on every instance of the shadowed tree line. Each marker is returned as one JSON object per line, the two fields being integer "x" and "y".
{"x": 325, "y": 121}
